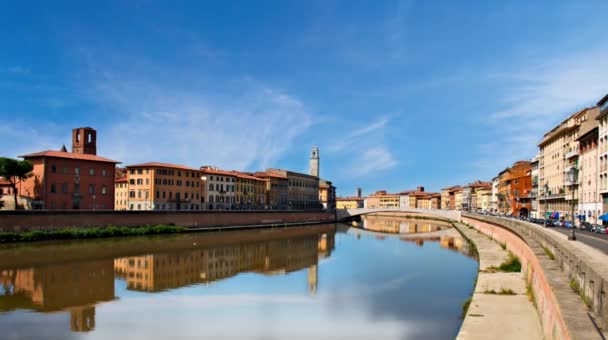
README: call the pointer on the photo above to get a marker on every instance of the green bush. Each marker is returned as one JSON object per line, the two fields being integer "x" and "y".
{"x": 83, "y": 233}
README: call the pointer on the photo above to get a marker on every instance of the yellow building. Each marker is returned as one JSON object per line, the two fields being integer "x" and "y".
{"x": 382, "y": 200}
{"x": 162, "y": 186}
{"x": 458, "y": 198}
{"x": 121, "y": 193}
{"x": 250, "y": 191}
{"x": 276, "y": 190}
{"x": 484, "y": 199}
{"x": 349, "y": 202}
{"x": 558, "y": 153}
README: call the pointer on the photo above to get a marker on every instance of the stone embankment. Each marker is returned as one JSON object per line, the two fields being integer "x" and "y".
{"x": 19, "y": 221}
{"x": 564, "y": 280}
{"x": 500, "y": 307}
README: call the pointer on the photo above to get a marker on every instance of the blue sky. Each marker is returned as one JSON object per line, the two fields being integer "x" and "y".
{"x": 395, "y": 94}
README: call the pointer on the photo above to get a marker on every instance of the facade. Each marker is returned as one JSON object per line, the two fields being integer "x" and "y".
{"x": 534, "y": 210}
{"x": 302, "y": 190}
{"x": 327, "y": 194}
{"x": 220, "y": 188}
{"x": 250, "y": 191}
{"x": 448, "y": 197}
{"x": 458, "y": 198}
{"x": 590, "y": 205}
{"x": 515, "y": 186}
{"x": 121, "y": 193}
{"x": 558, "y": 153}
{"x": 382, "y": 200}
{"x": 276, "y": 190}
{"x": 162, "y": 186}
{"x": 484, "y": 199}
{"x": 63, "y": 180}
{"x": 603, "y": 152}
{"x": 472, "y": 196}
{"x": 494, "y": 199}
{"x": 349, "y": 202}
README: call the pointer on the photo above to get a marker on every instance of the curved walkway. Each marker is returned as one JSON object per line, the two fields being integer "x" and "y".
{"x": 493, "y": 314}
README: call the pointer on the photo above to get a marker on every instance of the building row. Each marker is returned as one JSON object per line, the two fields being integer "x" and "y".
{"x": 81, "y": 179}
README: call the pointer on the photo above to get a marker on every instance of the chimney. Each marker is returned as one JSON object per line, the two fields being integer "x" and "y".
{"x": 359, "y": 192}
{"x": 420, "y": 189}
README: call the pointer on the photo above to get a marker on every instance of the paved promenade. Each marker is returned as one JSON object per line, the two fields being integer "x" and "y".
{"x": 492, "y": 313}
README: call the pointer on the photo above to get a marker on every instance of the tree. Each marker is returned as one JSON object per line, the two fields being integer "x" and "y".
{"x": 13, "y": 171}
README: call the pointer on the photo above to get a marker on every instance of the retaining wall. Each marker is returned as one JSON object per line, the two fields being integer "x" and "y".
{"x": 563, "y": 313}
{"x": 18, "y": 221}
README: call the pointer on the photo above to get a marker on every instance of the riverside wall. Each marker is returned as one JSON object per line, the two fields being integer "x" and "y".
{"x": 562, "y": 312}
{"x": 20, "y": 221}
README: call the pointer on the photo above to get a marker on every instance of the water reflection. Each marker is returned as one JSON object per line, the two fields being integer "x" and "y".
{"x": 311, "y": 282}
{"x": 413, "y": 230}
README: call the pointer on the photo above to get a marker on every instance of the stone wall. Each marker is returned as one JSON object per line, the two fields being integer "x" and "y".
{"x": 18, "y": 221}
{"x": 562, "y": 312}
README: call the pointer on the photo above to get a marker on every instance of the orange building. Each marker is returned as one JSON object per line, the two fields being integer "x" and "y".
{"x": 162, "y": 186}
{"x": 514, "y": 188}
{"x": 121, "y": 193}
{"x": 448, "y": 197}
{"x": 63, "y": 180}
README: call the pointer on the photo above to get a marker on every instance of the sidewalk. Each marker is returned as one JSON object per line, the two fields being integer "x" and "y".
{"x": 500, "y": 308}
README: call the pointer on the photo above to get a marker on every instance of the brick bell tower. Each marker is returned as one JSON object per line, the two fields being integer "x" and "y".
{"x": 84, "y": 140}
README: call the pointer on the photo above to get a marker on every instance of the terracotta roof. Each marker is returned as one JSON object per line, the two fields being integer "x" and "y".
{"x": 162, "y": 165}
{"x": 4, "y": 182}
{"x": 121, "y": 179}
{"x": 263, "y": 174}
{"x": 214, "y": 171}
{"x": 245, "y": 176}
{"x": 69, "y": 155}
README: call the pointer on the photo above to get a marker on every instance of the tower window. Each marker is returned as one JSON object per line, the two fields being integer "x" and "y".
{"x": 90, "y": 137}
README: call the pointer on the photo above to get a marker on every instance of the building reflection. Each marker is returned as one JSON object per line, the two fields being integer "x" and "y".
{"x": 157, "y": 272}
{"x": 417, "y": 231}
{"x": 76, "y": 287}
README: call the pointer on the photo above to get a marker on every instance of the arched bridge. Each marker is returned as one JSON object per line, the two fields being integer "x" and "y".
{"x": 454, "y": 215}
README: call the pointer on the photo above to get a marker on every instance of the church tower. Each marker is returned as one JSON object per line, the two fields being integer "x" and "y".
{"x": 84, "y": 140}
{"x": 314, "y": 162}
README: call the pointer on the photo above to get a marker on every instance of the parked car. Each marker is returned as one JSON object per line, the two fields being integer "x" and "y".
{"x": 600, "y": 229}
{"x": 567, "y": 224}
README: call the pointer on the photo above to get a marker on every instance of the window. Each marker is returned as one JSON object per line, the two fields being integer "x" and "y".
{"x": 103, "y": 172}
{"x": 140, "y": 181}
{"x": 65, "y": 169}
{"x": 53, "y": 168}
{"x": 147, "y": 181}
{"x": 64, "y": 188}
{"x": 91, "y": 188}
{"x": 164, "y": 194}
{"x": 104, "y": 190}
{"x": 91, "y": 172}
{"x": 138, "y": 193}
{"x": 158, "y": 194}
{"x": 77, "y": 171}
{"x": 210, "y": 187}
{"x": 140, "y": 171}
{"x": 132, "y": 181}
{"x": 53, "y": 189}
{"x": 131, "y": 195}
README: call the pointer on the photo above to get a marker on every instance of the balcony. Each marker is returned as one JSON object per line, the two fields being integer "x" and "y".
{"x": 571, "y": 154}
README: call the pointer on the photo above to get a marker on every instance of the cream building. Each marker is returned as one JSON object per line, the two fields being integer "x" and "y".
{"x": 121, "y": 193}
{"x": 590, "y": 202}
{"x": 220, "y": 188}
{"x": 558, "y": 153}
{"x": 603, "y": 152}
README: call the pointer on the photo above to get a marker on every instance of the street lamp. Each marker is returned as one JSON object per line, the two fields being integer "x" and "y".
{"x": 546, "y": 187}
{"x": 572, "y": 176}
{"x": 94, "y": 202}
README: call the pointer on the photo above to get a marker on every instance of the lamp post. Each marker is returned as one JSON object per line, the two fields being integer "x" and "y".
{"x": 94, "y": 205}
{"x": 546, "y": 187}
{"x": 572, "y": 176}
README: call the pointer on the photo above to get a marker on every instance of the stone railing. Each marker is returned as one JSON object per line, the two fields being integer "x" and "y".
{"x": 563, "y": 312}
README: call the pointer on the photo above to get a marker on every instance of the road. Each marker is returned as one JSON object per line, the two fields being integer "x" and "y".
{"x": 597, "y": 241}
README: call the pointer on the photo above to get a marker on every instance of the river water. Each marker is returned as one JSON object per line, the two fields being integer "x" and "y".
{"x": 381, "y": 278}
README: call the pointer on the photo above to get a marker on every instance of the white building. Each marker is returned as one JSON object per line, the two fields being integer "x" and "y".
{"x": 219, "y": 188}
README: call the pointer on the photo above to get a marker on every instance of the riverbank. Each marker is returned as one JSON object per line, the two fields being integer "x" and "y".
{"x": 500, "y": 307}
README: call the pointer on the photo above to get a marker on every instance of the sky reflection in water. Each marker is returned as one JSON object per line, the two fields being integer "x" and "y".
{"x": 293, "y": 284}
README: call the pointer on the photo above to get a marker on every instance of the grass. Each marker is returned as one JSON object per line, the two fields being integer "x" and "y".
{"x": 503, "y": 245}
{"x": 511, "y": 264}
{"x": 577, "y": 288}
{"x": 465, "y": 307}
{"x": 86, "y": 233}
{"x": 503, "y": 291}
{"x": 530, "y": 293}
{"x": 549, "y": 253}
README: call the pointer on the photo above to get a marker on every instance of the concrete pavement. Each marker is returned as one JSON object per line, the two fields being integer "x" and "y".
{"x": 500, "y": 308}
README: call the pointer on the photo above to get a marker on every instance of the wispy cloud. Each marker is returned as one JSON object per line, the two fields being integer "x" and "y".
{"x": 351, "y": 138}
{"x": 372, "y": 160}
{"x": 248, "y": 129}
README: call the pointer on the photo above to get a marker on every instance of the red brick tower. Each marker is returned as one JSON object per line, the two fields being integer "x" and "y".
{"x": 84, "y": 141}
